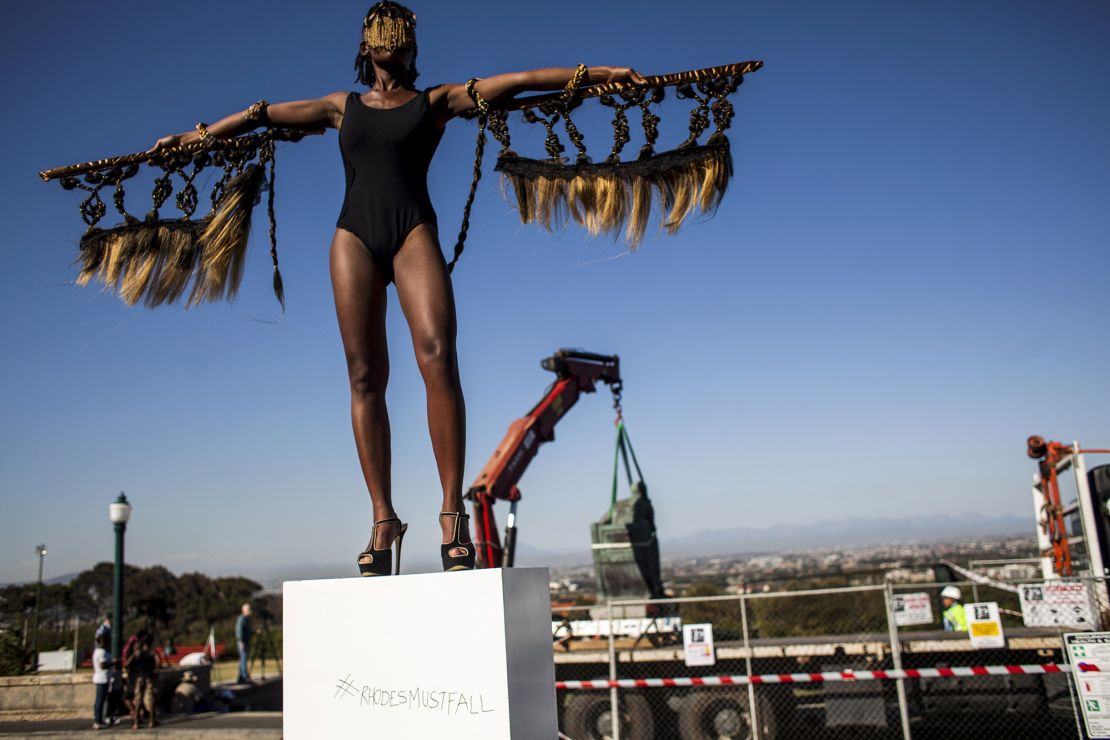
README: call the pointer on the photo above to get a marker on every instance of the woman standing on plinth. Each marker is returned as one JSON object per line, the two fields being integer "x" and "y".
{"x": 387, "y": 232}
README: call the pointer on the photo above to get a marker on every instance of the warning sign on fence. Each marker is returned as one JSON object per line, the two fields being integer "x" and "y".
{"x": 697, "y": 642}
{"x": 1092, "y": 648}
{"x": 910, "y": 609}
{"x": 1057, "y": 605}
{"x": 984, "y": 626}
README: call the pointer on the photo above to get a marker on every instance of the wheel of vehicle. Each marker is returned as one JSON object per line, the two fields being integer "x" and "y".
{"x": 724, "y": 715}
{"x": 588, "y": 717}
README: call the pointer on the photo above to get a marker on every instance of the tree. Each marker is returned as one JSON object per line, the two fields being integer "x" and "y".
{"x": 13, "y": 658}
{"x": 183, "y": 608}
{"x": 152, "y": 595}
{"x": 92, "y": 590}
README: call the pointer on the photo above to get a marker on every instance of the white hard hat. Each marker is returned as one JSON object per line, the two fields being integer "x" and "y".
{"x": 951, "y": 592}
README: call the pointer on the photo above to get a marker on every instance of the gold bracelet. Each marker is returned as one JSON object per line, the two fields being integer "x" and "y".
{"x": 256, "y": 112}
{"x": 479, "y": 102}
{"x": 202, "y": 129}
{"x": 575, "y": 82}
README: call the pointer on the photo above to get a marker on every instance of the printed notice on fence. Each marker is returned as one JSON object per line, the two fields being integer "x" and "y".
{"x": 1057, "y": 605}
{"x": 984, "y": 626}
{"x": 697, "y": 641}
{"x": 1089, "y": 655}
{"x": 910, "y": 609}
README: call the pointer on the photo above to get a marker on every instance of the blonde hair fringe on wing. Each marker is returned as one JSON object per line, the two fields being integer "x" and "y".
{"x": 155, "y": 261}
{"x": 618, "y": 200}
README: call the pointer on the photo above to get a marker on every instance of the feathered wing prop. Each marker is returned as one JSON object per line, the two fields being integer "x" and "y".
{"x": 616, "y": 196}
{"x": 157, "y": 260}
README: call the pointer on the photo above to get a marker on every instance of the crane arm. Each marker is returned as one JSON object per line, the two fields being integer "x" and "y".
{"x": 576, "y": 373}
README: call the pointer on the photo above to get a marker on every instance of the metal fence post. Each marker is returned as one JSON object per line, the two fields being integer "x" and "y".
{"x": 614, "y": 707}
{"x": 896, "y": 660}
{"x": 1073, "y": 690}
{"x": 76, "y": 627}
{"x": 752, "y": 712}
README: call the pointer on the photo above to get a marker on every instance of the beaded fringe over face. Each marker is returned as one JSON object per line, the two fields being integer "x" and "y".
{"x": 617, "y": 196}
{"x": 158, "y": 260}
{"x": 389, "y": 26}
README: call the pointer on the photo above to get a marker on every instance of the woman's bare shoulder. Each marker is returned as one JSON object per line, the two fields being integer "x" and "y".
{"x": 337, "y": 103}
{"x": 338, "y": 99}
{"x": 326, "y": 110}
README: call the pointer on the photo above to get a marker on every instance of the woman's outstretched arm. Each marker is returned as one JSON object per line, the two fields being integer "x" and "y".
{"x": 317, "y": 113}
{"x": 453, "y": 100}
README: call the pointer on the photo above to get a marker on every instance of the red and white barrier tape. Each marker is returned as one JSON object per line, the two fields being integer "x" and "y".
{"x": 827, "y": 676}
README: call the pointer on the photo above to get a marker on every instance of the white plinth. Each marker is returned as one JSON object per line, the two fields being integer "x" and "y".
{"x": 438, "y": 655}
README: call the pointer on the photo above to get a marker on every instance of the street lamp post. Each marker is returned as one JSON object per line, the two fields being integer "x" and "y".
{"x": 119, "y": 512}
{"x": 40, "y": 550}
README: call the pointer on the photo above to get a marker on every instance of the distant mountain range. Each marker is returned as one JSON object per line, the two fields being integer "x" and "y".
{"x": 63, "y": 579}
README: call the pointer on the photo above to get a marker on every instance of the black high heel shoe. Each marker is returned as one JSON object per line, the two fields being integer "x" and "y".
{"x": 373, "y": 562}
{"x": 457, "y": 562}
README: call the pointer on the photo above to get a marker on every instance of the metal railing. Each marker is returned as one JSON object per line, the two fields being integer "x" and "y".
{"x": 825, "y": 663}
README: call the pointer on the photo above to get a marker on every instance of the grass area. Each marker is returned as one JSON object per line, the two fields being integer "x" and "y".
{"x": 226, "y": 671}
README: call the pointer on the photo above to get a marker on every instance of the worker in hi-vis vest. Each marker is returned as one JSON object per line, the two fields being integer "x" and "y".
{"x": 955, "y": 618}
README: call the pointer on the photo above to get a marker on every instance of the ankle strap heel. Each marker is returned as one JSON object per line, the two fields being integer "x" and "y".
{"x": 373, "y": 562}
{"x": 464, "y": 561}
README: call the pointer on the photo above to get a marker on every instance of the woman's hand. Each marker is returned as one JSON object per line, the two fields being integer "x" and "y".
{"x": 616, "y": 74}
{"x": 168, "y": 142}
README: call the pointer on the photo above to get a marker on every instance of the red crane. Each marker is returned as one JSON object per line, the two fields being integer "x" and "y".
{"x": 577, "y": 373}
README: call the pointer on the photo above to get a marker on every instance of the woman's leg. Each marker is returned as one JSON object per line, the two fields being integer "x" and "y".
{"x": 424, "y": 289}
{"x": 136, "y": 702}
{"x": 360, "y": 301}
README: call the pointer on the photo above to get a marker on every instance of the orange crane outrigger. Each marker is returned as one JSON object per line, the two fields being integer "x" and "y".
{"x": 1051, "y": 457}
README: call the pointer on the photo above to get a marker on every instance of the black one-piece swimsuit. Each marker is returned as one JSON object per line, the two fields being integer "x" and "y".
{"x": 386, "y": 153}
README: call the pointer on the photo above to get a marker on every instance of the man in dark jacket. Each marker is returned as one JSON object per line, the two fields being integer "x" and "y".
{"x": 243, "y": 634}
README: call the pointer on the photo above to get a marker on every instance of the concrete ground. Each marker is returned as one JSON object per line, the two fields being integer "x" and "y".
{"x": 208, "y": 726}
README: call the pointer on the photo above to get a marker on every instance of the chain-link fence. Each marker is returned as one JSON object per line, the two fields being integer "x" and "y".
{"x": 867, "y": 662}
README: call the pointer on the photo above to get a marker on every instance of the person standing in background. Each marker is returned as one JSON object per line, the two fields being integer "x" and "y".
{"x": 144, "y": 668}
{"x": 955, "y": 618}
{"x": 115, "y": 693}
{"x": 102, "y": 661}
{"x": 129, "y": 652}
{"x": 243, "y": 634}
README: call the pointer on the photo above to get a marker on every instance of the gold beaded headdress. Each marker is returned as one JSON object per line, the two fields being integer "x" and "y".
{"x": 389, "y": 26}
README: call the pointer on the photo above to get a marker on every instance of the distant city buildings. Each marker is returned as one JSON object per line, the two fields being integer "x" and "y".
{"x": 895, "y": 562}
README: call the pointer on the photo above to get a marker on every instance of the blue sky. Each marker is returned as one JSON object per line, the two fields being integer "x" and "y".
{"x": 907, "y": 278}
